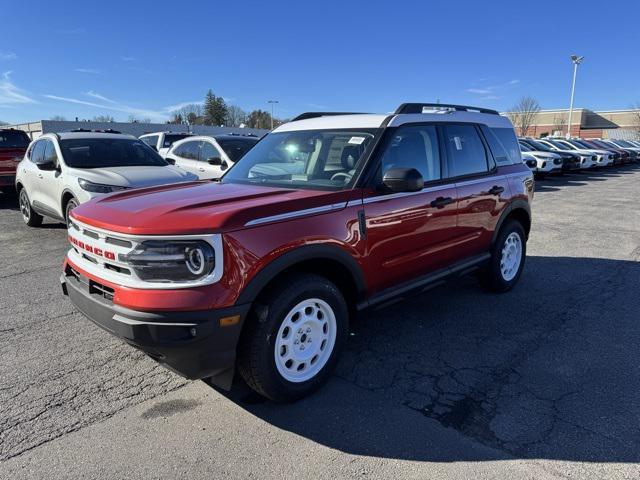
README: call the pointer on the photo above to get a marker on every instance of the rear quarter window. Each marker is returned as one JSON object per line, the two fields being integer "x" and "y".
{"x": 506, "y": 138}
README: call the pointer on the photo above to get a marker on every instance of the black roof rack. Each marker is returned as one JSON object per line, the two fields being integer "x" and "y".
{"x": 307, "y": 115}
{"x": 107, "y": 130}
{"x": 417, "y": 108}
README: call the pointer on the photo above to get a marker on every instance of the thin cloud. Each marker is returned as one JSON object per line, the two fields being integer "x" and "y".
{"x": 97, "y": 96}
{"x": 126, "y": 58}
{"x": 8, "y": 56}
{"x": 178, "y": 106}
{"x": 92, "y": 71}
{"x": 490, "y": 97}
{"x": 513, "y": 82}
{"x": 479, "y": 91}
{"x": 10, "y": 94}
{"x": 489, "y": 92}
{"x": 113, "y": 105}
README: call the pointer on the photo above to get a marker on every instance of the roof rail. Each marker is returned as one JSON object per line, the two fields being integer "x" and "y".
{"x": 419, "y": 107}
{"x": 307, "y": 115}
{"x": 106, "y": 130}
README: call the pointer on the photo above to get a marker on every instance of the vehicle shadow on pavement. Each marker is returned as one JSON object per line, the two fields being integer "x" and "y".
{"x": 9, "y": 201}
{"x": 551, "y": 183}
{"x": 546, "y": 371}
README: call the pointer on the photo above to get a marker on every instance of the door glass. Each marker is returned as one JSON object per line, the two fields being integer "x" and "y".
{"x": 465, "y": 151}
{"x": 416, "y": 147}
{"x": 50, "y": 155}
{"x": 208, "y": 151}
{"x": 188, "y": 150}
{"x": 152, "y": 141}
{"x": 37, "y": 152}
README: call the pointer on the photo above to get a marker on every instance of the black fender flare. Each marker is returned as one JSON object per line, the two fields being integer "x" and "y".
{"x": 518, "y": 204}
{"x": 297, "y": 255}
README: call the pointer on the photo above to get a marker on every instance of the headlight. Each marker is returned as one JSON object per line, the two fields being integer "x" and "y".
{"x": 98, "y": 187}
{"x": 171, "y": 261}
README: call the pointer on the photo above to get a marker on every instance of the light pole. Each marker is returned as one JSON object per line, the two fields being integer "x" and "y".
{"x": 576, "y": 61}
{"x": 272, "y": 102}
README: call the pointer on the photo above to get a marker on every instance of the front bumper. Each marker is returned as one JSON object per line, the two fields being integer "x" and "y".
{"x": 191, "y": 343}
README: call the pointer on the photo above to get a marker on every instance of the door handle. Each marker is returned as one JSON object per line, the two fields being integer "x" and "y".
{"x": 441, "y": 202}
{"x": 496, "y": 190}
{"x": 201, "y": 169}
{"x": 39, "y": 175}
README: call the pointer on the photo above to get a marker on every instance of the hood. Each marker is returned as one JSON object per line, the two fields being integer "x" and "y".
{"x": 135, "y": 177}
{"x": 197, "y": 207}
{"x": 541, "y": 154}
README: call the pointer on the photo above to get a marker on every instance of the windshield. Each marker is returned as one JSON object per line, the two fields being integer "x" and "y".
{"x": 562, "y": 145}
{"x": 109, "y": 152}
{"x": 171, "y": 138}
{"x": 624, "y": 143}
{"x": 524, "y": 147}
{"x": 13, "y": 139}
{"x": 582, "y": 144}
{"x": 538, "y": 146}
{"x": 314, "y": 159}
{"x": 236, "y": 148}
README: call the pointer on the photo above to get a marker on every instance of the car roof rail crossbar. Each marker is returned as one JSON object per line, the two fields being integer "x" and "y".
{"x": 308, "y": 115}
{"x": 420, "y": 107}
{"x": 106, "y": 130}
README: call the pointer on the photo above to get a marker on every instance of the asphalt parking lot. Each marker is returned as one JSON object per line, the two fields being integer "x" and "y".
{"x": 541, "y": 382}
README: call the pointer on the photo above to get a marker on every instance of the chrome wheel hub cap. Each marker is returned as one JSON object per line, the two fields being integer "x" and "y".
{"x": 305, "y": 340}
{"x": 511, "y": 256}
{"x": 24, "y": 206}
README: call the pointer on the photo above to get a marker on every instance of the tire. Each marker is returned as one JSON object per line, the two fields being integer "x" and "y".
{"x": 285, "y": 364}
{"x": 71, "y": 204}
{"x": 30, "y": 217}
{"x": 510, "y": 246}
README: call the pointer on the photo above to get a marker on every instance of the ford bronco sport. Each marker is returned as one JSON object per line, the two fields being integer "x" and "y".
{"x": 329, "y": 214}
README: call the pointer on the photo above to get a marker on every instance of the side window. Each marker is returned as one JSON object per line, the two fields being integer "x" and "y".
{"x": 152, "y": 141}
{"x": 37, "y": 152}
{"x": 508, "y": 140}
{"x": 414, "y": 146}
{"x": 208, "y": 151}
{"x": 188, "y": 150}
{"x": 50, "y": 155}
{"x": 465, "y": 151}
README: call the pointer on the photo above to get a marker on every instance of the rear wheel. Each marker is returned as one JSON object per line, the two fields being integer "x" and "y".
{"x": 294, "y": 339}
{"x": 507, "y": 258}
{"x": 71, "y": 204}
{"x": 30, "y": 217}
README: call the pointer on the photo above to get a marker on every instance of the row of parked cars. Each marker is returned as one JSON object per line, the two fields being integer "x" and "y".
{"x": 62, "y": 170}
{"x": 555, "y": 155}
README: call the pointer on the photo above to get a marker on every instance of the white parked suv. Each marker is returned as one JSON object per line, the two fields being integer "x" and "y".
{"x": 546, "y": 162}
{"x": 63, "y": 170}
{"x": 588, "y": 159}
{"x": 161, "y": 141}
{"x": 210, "y": 157}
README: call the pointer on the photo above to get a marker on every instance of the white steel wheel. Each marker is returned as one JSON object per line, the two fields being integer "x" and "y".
{"x": 511, "y": 256}
{"x": 25, "y": 208}
{"x": 305, "y": 340}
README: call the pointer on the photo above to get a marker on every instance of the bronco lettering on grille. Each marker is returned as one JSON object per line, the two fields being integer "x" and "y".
{"x": 95, "y": 250}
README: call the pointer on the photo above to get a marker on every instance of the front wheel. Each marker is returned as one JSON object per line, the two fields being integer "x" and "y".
{"x": 507, "y": 258}
{"x": 71, "y": 204}
{"x": 294, "y": 338}
{"x": 30, "y": 217}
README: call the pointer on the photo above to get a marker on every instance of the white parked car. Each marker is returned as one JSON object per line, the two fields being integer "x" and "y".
{"x": 161, "y": 141}
{"x": 587, "y": 159}
{"x": 210, "y": 157}
{"x": 63, "y": 170}
{"x": 603, "y": 157}
{"x": 546, "y": 162}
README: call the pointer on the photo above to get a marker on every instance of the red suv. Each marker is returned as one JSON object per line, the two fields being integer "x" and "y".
{"x": 13, "y": 145}
{"x": 327, "y": 215}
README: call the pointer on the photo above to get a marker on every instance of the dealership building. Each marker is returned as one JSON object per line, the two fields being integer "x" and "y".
{"x": 40, "y": 127}
{"x": 624, "y": 124}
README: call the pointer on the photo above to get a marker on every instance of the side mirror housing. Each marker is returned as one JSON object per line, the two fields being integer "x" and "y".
{"x": 403, "y": 180}
{"x": 47, "y": 166}
{"x": 214, "y": 161}
{"x": 170, "y": 161}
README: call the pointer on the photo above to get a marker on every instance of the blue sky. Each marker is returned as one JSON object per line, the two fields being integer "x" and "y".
{"x": 144, "y": 58}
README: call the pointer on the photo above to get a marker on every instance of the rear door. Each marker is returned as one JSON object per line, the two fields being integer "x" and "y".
{"x": 409, "y": 234}
{"x": 482, "y": 191}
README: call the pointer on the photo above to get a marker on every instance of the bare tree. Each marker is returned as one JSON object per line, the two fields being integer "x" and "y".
{"x": 636, "y": 115}
{"x": 189, "y": 113}
{"x": 523, "y": 114}
{"x": 235, "y": 116}
{"x": 559, "y": 123}
{"x": 103, "y": 118}
{"x": 58, "y": 118}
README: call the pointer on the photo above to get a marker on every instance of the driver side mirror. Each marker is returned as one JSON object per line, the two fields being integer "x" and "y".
{"x": 48, "y": 165}
{"x": 214, "y": 161}
{"x": 403, "y": 180}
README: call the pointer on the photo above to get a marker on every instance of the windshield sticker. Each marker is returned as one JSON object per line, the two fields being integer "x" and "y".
{"x": 458, "y": 143}
{"x": 356, "y": 140}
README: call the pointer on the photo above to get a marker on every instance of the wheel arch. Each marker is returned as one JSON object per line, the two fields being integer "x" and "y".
{"x": 331, "y": 262}
{"x": 64, "y": 199}
{"x": 518, "y": 210}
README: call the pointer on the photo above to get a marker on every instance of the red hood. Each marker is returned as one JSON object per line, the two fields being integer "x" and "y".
{"x": 196, "y": 207}
{"x": 9, "y": 159}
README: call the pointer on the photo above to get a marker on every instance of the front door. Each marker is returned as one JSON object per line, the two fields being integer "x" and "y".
{"x": 410, "y": 234}
{"x": 208, "y": 159}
